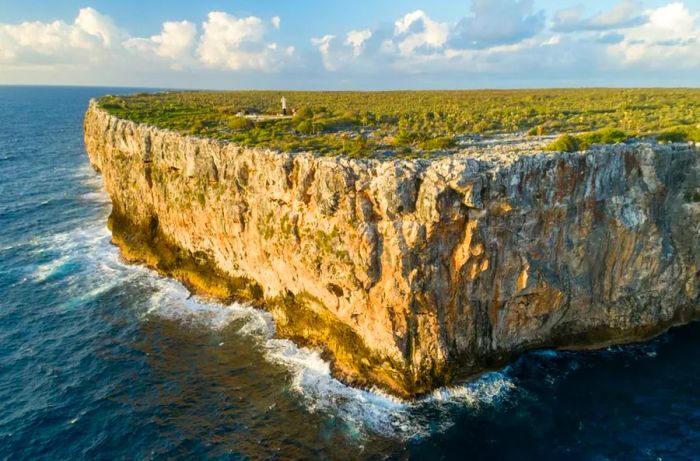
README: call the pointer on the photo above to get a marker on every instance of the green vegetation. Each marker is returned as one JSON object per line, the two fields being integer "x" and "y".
{"x": 146, "y": 244}
{"x": 417, "y": 123}
{"x": 564, "y": 143}
{"x": 680, "y": 134}
{"x": 573, "y": 143}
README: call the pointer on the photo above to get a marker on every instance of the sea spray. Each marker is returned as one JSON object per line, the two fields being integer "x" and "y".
{"x": 362, "y": 412}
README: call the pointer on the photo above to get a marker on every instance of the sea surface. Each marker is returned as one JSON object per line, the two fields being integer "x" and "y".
{"x": 101, "y": 360}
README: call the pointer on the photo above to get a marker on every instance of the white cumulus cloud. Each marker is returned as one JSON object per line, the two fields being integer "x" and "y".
{"x": 416, "y": 31}
{"x": 356, "y": 39}
{"x": 235, "y": 43}
{"x": 491, "y": 41}
{"x": 175, "y": 43}
{"x": 38, "y": 42}
{"x": 500, "y": 22}
{"x": 176, "y": 40}
{"x": 98, "y": 25}
{"x": 324, "y": 47}
{"x": 669, "y": 39}
{"x": 226, "y": 42}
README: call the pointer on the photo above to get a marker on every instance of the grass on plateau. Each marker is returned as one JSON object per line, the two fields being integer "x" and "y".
{"x": 417, "y": 123}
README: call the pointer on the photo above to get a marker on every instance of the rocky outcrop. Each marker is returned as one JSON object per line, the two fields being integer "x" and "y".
{"x": 412, "y": 273}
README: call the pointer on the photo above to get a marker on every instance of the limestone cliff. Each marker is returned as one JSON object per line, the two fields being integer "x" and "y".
{"x": 412, "y": 273}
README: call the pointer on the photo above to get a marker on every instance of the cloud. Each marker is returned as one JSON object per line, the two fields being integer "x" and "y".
{"x": 497, "y": 22}
{"x": 610, "y": 38}
{"x": 417, "y": 32}
{"x": 356, "y": 39}
{"x": 175, "y": 43}
{"x": 98, "y": 25}
{"x": 324, "y": 47}
{"x": 238, "y": 44}
{"x": 323, "y": 43}
{"x": 37, "y": 42}
{"x": 669, "y": 39}
{"x": 508, "y": 37}
{"x": 625, "y": 14}
{"x": 226, "y": 42}
{"x": 417, "y": 41}
{"x": 176, "y": 40}
{"x": 359, "y": 49}
{"x": 493, "y": 42}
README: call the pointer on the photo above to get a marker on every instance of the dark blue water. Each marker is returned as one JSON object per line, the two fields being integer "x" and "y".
{"x": 102, "y": 360}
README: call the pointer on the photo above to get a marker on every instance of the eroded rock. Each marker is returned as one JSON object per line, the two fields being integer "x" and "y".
{"x": 414, "y": 273}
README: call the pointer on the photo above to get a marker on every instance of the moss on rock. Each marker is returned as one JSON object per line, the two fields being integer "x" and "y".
{"x": 146, "y": 244}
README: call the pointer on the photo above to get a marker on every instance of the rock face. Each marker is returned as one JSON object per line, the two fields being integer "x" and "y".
{"x": 412, "y": 273}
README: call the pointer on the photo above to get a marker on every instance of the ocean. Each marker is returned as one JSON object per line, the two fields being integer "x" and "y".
{"x": 100, "y": 359}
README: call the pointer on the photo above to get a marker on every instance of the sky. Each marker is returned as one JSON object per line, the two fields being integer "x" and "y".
{"x": 359, "y": 44}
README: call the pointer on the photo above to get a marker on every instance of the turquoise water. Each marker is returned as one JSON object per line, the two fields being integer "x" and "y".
{"x": 104, "y": 360}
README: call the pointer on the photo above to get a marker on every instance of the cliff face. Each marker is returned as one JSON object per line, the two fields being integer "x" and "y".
{"x": 410, "y": 273}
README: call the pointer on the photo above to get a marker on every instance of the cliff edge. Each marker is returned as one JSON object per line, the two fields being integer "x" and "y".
{"x": 413, "y": 273}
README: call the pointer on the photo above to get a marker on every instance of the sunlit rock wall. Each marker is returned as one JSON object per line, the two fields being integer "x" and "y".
{"x": 412, "y": 273}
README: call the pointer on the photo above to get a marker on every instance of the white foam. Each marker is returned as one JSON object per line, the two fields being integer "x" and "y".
{"x": 372, "y": 411}
{"x": 172, "y": 300}
{"x": 487, "y": 389}
{"x": 88, "y": 175}
{"x": 360, "y": 411}
{"x": 44, "y": 271}
{"x": 97, "y": 197}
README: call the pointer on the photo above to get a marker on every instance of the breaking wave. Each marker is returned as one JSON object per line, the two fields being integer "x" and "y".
{"x": 360, "y": 411}
{"x": 96, "y": 267}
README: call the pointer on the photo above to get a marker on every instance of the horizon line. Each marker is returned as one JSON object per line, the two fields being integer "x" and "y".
{"x": 350, "y": 90}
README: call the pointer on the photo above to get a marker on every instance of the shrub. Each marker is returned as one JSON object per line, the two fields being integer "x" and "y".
{"x": 571, "y": 143}
{"x": 240, "y": 123}
{"x": 673, "y": 135}
{"x": 679, "y": 134}
{"x": 481, "y": 127}
{"x": 602, "y": 136}
{"x": 304, "y": 126}
{"x": 367, "y": 118}
{"x": 536, "y": 131}
{"x": 442, "y": 142}
{"x": 228, "y": 110}
{"x": 359, "y": 147}
{"x": 341, "y": 122}
{"x": 197, "y": 127}
{"x": 305, "y": 113}
{"x": 419, "y": 117}
{"x": 405, "y": 138}
{"x": 351, "y": 114}
{"x": 564, "y": 143}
